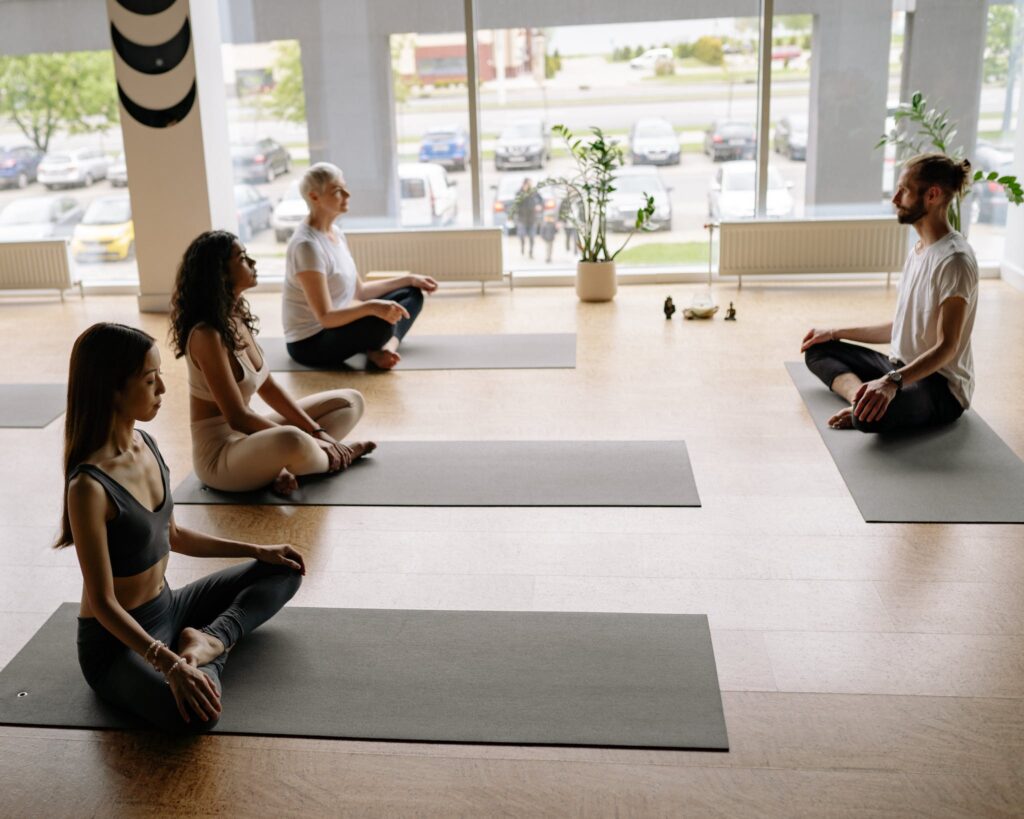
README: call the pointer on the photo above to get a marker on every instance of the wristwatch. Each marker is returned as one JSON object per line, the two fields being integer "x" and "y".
{"x": 895, "y": 377}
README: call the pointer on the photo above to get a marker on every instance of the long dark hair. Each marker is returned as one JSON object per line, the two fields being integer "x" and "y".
{"x": 203, "y": 293}
{"x": 103, "y": 359}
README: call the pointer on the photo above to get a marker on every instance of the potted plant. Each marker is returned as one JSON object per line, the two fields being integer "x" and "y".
{"x": 934, "y": 130}
{"x": 584, "y": 207}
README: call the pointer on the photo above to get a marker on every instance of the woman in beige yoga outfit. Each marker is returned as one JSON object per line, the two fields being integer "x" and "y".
{"x": 235, "y": 448}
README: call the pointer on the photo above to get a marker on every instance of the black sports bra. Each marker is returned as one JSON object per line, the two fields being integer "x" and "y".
{"x": 137, "y": 538}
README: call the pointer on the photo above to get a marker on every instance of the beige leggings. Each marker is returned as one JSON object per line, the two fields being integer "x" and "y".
{"x": 235, "y": 462}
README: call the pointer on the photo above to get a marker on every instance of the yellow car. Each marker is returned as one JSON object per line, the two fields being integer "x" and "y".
{"x": 106, "y": 232}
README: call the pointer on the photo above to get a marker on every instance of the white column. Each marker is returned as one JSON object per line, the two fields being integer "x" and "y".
{"x": 849, "y": 72}
{"x": 175, "y": 132}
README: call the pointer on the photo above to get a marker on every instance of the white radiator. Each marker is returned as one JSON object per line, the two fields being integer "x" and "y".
{"x": 472, "y": 254}
{"x": 752, "y": 248}
{"x": 41, "y": 265}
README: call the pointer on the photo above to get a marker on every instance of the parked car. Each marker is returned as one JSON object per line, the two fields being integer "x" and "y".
{"x": 649, "y": 60}
{"x": 288, "y": 212}
{"x": 19, "y": 165}
{"x": 39, "y": 217}
{"x": 730, "y": 140}
{"x": 653, "y": 141}
{"x": 446, "y": 146}
{"x": 428, "y": 197}
{"x": 523, "y": 144}
{"x": 106, "y": 232}
{"x": 76, "y": 168}
{"x": 117, "y": 173}
{"x": 731, "y": 194}
{"x": 505, "y": 193}
{"x": 791, "y": 136}
{"x": 254, "y": 211}
{"x": 988, "y": 202}
{"x": 631, "y": 187}
{"x": 260, "y": 161}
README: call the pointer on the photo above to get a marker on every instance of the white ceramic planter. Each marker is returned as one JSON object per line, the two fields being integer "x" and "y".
{"x": 596, "y": 281}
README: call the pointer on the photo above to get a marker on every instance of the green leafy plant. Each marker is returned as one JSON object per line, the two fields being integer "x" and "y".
{"x": 918, "y": 129}
{"x": 586, "y": 193}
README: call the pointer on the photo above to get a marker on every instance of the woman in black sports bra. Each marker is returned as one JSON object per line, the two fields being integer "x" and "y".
{"x": 135, "y": 633}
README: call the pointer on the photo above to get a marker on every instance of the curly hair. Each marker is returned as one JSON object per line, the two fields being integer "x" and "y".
{"x": 203, "y": 293}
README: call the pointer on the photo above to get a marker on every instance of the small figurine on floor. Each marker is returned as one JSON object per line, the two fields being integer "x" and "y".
{"x": 669, "y": 308}
{"x": 730, "y": 314}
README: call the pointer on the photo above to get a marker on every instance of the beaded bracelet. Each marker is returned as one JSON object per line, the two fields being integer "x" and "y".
{"x": 154, "y": 648}
{"x": 169, "y": 671}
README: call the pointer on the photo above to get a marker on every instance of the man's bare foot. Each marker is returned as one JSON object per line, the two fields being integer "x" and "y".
{"x": 842, "y": 419}
{"x": 284, "y": 484}
{"x": 197, "y": 647}
{"x": 356, "y": 451}
{"x": 384, "y": 359}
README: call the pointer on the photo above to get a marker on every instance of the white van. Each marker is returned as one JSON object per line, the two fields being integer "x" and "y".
{"x": 649, "y": 60}
{"x": 428, "y": 197}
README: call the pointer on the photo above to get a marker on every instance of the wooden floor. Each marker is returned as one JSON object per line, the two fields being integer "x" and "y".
{"x": 866, "y": 669}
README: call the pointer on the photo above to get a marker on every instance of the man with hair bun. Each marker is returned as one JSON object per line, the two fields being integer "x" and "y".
{"x": 928, "y": 376}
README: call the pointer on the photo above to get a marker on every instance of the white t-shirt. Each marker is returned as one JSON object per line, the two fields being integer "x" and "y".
{"x": 311, "y": 249}
{"x": 944, "y": 269}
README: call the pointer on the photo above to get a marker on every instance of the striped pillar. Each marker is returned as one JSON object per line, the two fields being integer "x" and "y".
{"x": 173, "y": 117}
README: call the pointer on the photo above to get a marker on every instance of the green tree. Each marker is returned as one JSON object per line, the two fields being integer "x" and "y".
{"x": 795, "y": 22}
{"x": 709, "y": 50}
{"x": 46, "y": 93}
{"x": 288, "y": 99}
{"x": 1003, "y": 42}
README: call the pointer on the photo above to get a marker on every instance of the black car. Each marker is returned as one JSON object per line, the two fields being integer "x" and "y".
{"x": 730, "y": 140}
{"x": 260, "y": 161}
{"x": 791, "y": 137}
{"x": 989, "y": 201}
{"x": 18, "y": 166}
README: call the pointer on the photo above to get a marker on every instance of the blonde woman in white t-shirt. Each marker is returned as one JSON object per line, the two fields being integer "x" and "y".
{"x": 329, "y": 313}
{"x": 235, "y": 448}
{"x": 928, "y": 376}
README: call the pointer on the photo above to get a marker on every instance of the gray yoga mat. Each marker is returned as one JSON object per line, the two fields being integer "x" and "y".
{"x": 489, "y": 473}
{"x": 26, "y": 406}
{"x": 959, "y": 473}
{"x": 514, "y": 351}
{"x": 523, "y": 678}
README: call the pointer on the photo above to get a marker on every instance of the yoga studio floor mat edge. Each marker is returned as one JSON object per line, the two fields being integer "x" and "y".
{"x": 31, "y": 406}
{"x": 495, "y": 351}
{"x": 490, "y": 473}
{"x": 466, "y": 677}
{"x": 959, "y": 473}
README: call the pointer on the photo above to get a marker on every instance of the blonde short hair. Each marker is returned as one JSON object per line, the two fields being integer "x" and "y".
{"x": 317, "y": 177}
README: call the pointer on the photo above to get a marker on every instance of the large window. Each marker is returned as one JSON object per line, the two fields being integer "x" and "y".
{"x": 62, "y": 172}
{"x": 266, "y": 115}
{"x": 997, "y": 124}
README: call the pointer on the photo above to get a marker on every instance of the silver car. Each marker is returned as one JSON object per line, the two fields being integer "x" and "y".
{"x": 76, "y": 168}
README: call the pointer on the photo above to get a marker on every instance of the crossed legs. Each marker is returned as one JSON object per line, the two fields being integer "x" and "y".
{"x": 843, "y": 367}
{"x": 247, "y": 462}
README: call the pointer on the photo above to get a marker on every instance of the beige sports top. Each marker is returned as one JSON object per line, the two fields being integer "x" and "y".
{"x": 252, "y": 379}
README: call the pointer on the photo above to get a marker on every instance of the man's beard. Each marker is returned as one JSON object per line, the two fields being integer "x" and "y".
{"x": 908, "y": 216}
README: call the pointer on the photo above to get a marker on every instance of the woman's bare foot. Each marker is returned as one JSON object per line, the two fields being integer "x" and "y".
{"x": 384, "y": 359}
{"x": 284, "y": 484}
{"x": 197, "y": 647}
{"x": 356, "y": 451}
{"x": 842, "y": 419}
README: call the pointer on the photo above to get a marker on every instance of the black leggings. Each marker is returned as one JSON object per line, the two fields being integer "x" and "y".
{"x": 227, "y": 604}
{"x": 924, "y": 403}
{"x": 332, "y": 346}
